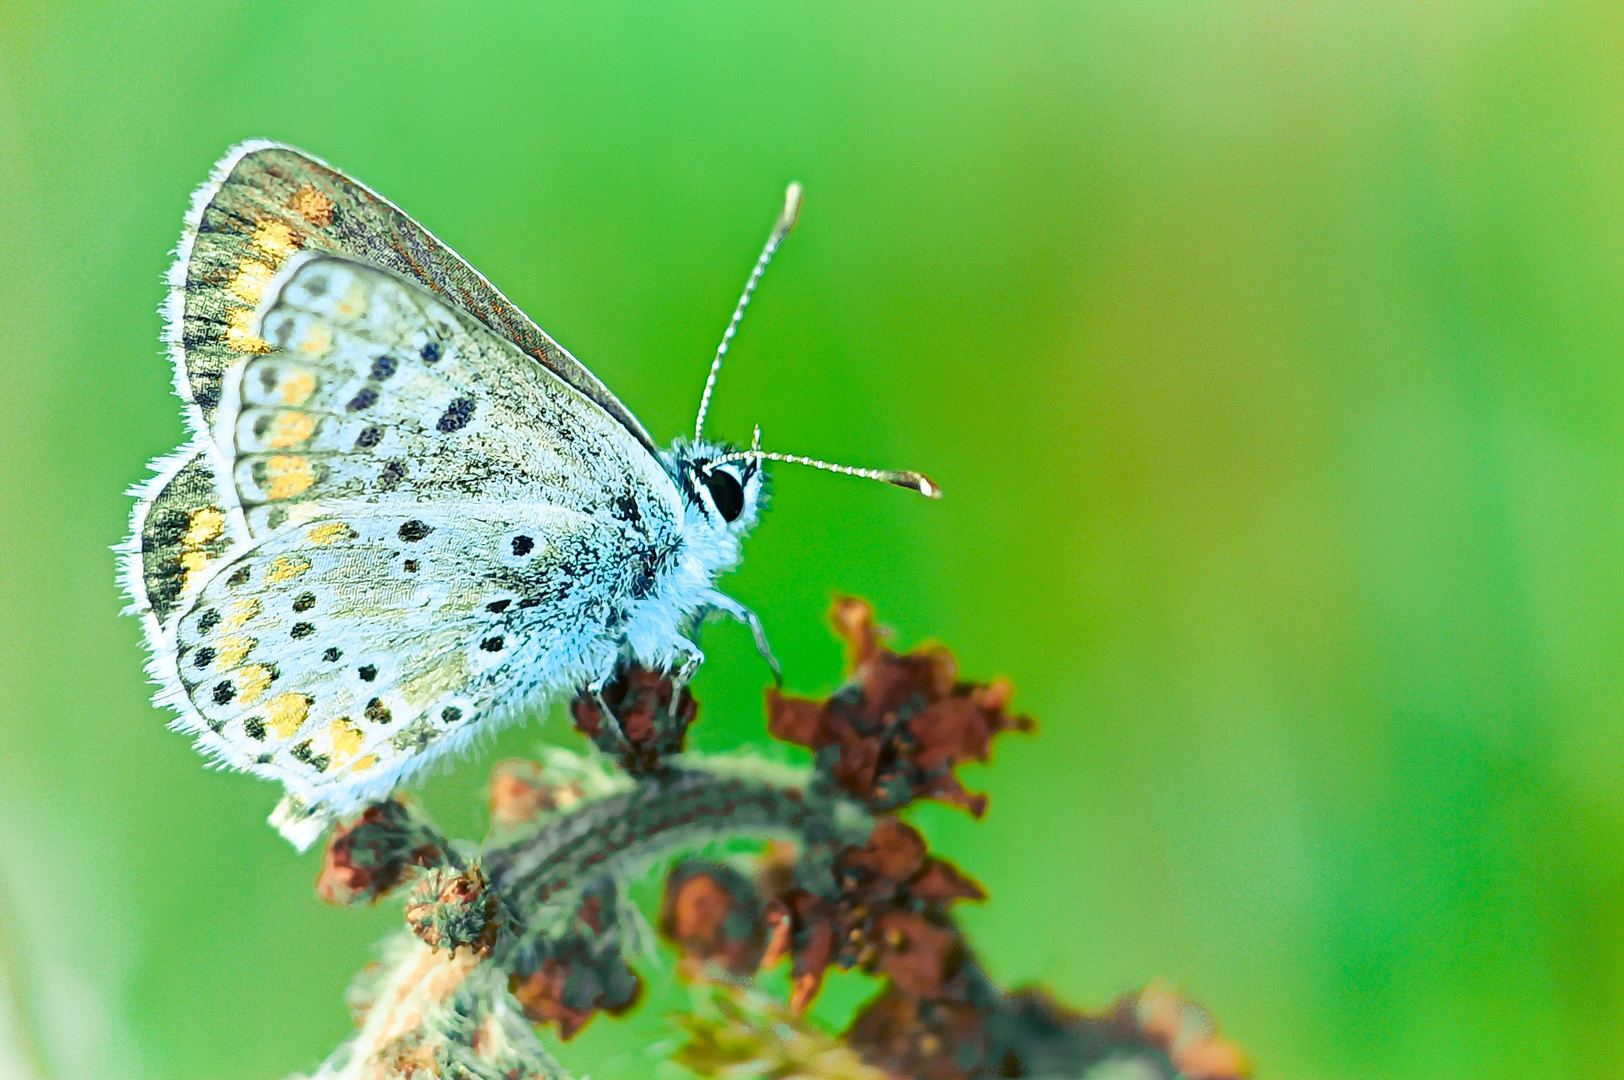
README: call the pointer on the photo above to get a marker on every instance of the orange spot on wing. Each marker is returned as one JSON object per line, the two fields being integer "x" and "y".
{"x": 244, "y": 611}
{"x": 324, "y": 534}
{"x": 353, "y": 303}
{"x": 291, "y": 428}
{"x": 240, "y": 332}
{"x": 277, "y": 239}
{"x": 298, "y": 388}
{"x": 251, "y": 683}
{"x": 285, "y": 568}
{"x": 251, "y": 279}
{"x": 346, "y": 740}
{"x": 286, "y": 475}
{"x": 312, "y": 205}
{"x": 203, "y": 525}
{"x": 286, "y": 713}
{"x": 234, "y": 650}
{"x": 362, "y": 764}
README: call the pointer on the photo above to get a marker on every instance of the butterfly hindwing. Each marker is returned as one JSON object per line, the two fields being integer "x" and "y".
{"x": 344, "y": 653}
{"x": 375, "y": 390}
{"x": 180, "y": 527}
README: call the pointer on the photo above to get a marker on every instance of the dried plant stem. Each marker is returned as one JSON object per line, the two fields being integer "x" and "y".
{"x": 540, "y": 876}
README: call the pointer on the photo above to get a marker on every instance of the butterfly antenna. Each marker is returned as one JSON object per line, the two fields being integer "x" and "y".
{"x": 781, "y": 228}
{"x": 911, "y": 480}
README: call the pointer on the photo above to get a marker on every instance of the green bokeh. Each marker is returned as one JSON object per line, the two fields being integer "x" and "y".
{"x": 1269, "y": 355}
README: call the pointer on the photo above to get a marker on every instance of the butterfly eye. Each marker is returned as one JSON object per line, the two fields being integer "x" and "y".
{"x": 726, "y": 493}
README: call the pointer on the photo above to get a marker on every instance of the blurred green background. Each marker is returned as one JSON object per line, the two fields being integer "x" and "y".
{"x": 1269, "y": 354}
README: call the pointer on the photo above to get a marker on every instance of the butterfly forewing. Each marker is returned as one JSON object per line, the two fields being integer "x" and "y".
{"x": 375, "y": 390}
{"x": 267, "y": 202}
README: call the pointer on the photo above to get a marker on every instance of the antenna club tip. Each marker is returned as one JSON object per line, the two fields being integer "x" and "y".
{"x": 923, "y": 484}
{"x": 792, "y": 206}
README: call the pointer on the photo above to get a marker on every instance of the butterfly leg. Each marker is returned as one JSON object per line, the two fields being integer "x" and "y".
{"x": 689, "y": 657}
{"x": 611, "y": 719}
{"x": 723, "y": 602}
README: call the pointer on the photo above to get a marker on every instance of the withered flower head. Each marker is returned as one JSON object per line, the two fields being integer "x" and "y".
{"x": 978, "y": 1032}
{"x": 712, "y": 911}
{"x": 930, "y": 1040}
{"x": 568, "y": 990}
{"x": 448, "y": 909}
{"x": 521, "y": 791}
{"x": 649, "y": 722}
{"x": 371, "y": 853}
{"x": 574, "y": 976}
{"x": 896, "y": 730}
{"x": 889, "y": 916}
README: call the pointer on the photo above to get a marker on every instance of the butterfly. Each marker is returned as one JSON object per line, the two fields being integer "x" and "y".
{"x": 405, "y": 513}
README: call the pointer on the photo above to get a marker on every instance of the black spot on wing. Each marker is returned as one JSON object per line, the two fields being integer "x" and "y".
{"x": 522, "y": 546}
{"x": 414, "y": 530}
{"x": 378, "y": 712}
{"x": 391, "y": 476}
{"x": 332, "y": 654}
{"x": 456, "y": 415}
{"x": 431, "y": 352}
{"x": 370, "y": 436}
{"x": 304, "y": 601}
{"x": 368, "y": 672}
{"x": 384, "y": 366}
{"x": 364, "y": 398}
{"x": 224, "y": 692}
{"x": 319, "y": 762}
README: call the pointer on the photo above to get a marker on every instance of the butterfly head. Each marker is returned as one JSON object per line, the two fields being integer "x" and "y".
{"x": 724, "y": 493}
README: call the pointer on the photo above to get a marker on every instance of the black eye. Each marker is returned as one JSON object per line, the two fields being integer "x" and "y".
{"x": 726, "y": 494}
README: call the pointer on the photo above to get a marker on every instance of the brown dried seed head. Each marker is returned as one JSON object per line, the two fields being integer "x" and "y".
{"x": 372, "y": 853}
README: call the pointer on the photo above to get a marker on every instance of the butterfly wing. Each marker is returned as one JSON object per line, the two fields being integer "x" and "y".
{"x": 341, "y": 655}
{"x": 407, "y": 508}
{"x": 439, "y": 528}
{"x": 263, "y": 203}
{"x": 378, "y": 391}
